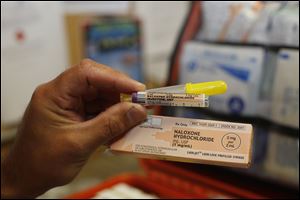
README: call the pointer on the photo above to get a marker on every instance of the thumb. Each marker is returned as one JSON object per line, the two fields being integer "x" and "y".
{"x": 114, "y": 122}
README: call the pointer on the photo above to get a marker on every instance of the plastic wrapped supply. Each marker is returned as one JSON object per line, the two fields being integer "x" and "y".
{"x": 285, "y": 26}
{"x": 240, "y": 67}
{"x": 228, "y": 21}
{"x": 251, "y": 22}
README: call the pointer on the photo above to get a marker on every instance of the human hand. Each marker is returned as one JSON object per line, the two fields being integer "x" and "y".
{"x": 65, "y": 121}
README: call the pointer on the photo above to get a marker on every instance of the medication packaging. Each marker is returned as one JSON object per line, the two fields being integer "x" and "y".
{"x": 189, "y": 140}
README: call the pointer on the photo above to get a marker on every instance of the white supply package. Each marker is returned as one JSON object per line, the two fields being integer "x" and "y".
{"x": 240, "y": 67}
{"x": 218, "y": 18}
{"x": 251, "y": 22}
{"x": 240, "y": 25}
{"x": 285, "y": 105}
{"x": 261, "y": 28}
{"x": 285, "y": 26}
{"x": 264, "y": 106}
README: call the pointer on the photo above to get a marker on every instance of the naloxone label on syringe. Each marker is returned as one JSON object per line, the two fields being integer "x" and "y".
{"x": 170, "y": 99}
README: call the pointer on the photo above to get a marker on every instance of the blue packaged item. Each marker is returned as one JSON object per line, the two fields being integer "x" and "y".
{"x": 115, "y": 42}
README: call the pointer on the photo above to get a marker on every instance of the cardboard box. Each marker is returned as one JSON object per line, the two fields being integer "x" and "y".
{"x": 189, "y": 140}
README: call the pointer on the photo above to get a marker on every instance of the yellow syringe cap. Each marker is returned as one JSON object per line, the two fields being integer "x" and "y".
{"x": 207, "y": 88}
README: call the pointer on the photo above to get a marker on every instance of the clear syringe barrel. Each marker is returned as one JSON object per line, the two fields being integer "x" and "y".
{"x": 169, "y": 89}
{"x": 207, "y": 88}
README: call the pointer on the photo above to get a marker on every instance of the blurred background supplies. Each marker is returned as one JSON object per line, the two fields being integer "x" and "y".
{"x": 256, "y": 22}
{"x": 234, "y": 43}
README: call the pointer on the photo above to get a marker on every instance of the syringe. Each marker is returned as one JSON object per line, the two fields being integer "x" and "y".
{"x": 187, "y": 95}
{"x": 166, "y": 99}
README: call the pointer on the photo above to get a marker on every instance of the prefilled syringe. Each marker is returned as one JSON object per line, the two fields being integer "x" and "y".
{"x": 186, "y": 95}
{"x": 167, "y": 99}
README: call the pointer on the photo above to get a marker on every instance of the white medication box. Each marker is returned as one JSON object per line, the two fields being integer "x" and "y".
{"x": 189, "y": 140}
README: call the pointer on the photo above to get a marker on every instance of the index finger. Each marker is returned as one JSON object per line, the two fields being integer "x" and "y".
{"x": 77, "y": 80}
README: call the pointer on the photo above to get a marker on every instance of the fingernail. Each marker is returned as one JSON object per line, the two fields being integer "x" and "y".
{"x": 140, "y": 86}
{"x": 136, "y": 114}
